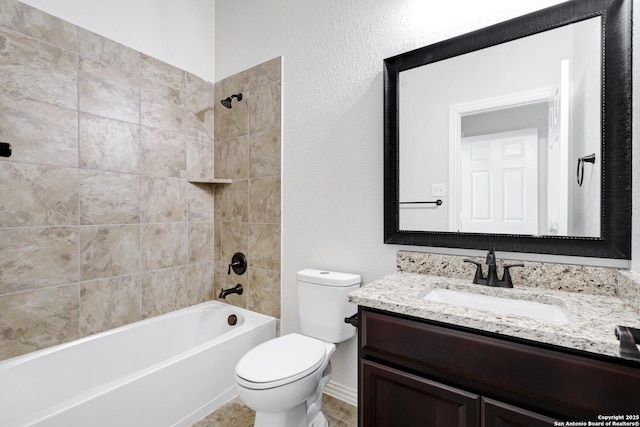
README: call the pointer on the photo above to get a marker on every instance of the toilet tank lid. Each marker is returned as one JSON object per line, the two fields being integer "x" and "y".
{"x": 328, "y": 278}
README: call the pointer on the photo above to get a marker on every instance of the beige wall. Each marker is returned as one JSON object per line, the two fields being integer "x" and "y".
{"x": 99, "y": 226}
{"x": 247, "y": 212}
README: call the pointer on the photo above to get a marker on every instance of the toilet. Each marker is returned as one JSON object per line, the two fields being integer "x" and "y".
{"x": 283, "y": 378}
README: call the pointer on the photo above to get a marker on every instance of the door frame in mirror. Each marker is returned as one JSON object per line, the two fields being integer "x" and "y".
{"x": 615, "y": 239}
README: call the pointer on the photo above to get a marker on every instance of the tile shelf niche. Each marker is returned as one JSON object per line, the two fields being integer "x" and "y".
{"x": 209, "y": 180}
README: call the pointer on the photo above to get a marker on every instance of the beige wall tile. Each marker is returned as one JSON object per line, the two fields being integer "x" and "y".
{"x": 163, "y": 154}
{"x": 217, "y": 280}
{"x": 195, "y": 83}
{"x": 39, "y": 133}
{"x": 96, "y": 191}
{"x": 200, "y": 242}
{"x": 264, "y": 107}
{"x": 98, "y": 48}
{"x": 265, "y": 153}
{"x": 247, "y": 212}
{"x": 108, "y": 144}
{"x": 34, "y": 320}
{"x": 108, "y": 251}
{"x": 163, "y": 200}
{"x": 109, "y": 197}
{"x": 108, "y": 92}
{"x": 266, "y": 72}
{"x": 232, "y": 203}
{"x": 217, "y": 245}
{"x": 200, "y": 202}
{"x": 37, "y": 24}
{"x": 233, "y": 156}
{"x": 33, "y": 258}
{"x": 109, "y": 303}
{"x": 200, "y": 107}
{"x": 32, "y": 195}
{"x": 264, "y": 245}
{"x": 264, "y": 291}
{"x": 164, "y": 245}
{"x": 200, "y": 283}
{"x": 264, "y": 199}
{"x": 199, "y": 158}
{"x": 160, "y": 72}
{"x": 234, "y": 237}
{"x": 37, "y": 71}
{"x": 161, "y": 107}
{"x": 164, "y": 291}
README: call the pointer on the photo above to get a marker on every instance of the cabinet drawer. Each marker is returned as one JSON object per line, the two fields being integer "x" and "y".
{"x": 563, "y": 383}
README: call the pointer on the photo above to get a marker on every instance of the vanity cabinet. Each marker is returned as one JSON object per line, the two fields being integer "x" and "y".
{"x": 414, "y": 372}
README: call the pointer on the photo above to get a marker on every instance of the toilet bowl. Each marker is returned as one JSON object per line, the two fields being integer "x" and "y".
{"x": 283, "y": 379}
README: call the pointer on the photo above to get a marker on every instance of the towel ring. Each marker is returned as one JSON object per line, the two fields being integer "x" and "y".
{"x": 591, "y": 158}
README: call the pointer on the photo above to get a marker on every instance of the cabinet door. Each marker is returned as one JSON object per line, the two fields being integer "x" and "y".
{"x": 499, "y": 414}
{"x": 393, "y": 398}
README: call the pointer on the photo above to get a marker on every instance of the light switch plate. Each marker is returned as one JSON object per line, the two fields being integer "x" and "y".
{"x": 438, "y": 190}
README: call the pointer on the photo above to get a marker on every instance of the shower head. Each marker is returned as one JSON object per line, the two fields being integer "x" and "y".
{"x": 227, "y": 101}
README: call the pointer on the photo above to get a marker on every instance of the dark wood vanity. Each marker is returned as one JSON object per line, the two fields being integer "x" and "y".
{"x": 416, "y": 372}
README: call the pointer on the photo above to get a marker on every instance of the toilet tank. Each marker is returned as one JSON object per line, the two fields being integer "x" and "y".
{"x": 323, "y": 304}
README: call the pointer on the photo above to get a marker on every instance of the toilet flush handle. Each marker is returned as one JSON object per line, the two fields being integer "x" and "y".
{"x": 352, "y": 320}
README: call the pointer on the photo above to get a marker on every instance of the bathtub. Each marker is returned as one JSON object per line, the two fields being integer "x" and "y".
{"x": 169, "y": 370}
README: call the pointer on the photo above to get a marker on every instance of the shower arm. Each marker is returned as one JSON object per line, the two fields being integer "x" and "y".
{"x": 227, "y": 101}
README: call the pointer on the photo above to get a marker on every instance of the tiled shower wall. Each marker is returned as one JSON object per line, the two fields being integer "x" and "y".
{"x": 99, "y": 226}
{"x": 247, "y": 212}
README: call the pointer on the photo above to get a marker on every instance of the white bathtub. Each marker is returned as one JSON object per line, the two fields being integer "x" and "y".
{"x": 169, "y": 370}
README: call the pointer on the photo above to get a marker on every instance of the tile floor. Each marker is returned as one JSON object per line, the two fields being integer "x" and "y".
{"x": 236, "y": 414}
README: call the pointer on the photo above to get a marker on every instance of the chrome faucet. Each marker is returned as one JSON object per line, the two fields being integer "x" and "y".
{"x": 492, "y": 272}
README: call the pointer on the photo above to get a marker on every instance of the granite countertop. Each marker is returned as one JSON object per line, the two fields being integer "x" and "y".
{"x": 591, "y": 329}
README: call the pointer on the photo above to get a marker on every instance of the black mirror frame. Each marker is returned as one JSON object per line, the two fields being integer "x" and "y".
{"x": 615, "y": 239}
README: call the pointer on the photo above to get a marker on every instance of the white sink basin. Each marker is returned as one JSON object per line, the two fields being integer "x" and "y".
{"x": 532, "y": 309}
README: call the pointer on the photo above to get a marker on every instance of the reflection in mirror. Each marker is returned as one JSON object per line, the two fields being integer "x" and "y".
{"x": 499, "y": 142}
{"x": 515, "y": 137}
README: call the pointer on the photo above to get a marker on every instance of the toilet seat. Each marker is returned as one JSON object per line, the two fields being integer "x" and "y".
{"x": 280, "y": 361}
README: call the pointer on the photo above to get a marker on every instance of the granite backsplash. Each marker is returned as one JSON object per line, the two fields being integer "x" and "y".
{"x": 605, "y": 281}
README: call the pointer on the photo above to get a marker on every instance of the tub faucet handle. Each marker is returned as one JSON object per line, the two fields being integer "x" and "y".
{"x": 233, "y": 264}
{"x": 238, "y": 263}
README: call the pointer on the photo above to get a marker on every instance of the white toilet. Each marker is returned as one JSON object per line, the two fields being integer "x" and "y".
{"x": 282, "y": 379}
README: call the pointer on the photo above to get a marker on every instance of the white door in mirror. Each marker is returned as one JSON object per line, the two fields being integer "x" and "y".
{"x": 500, "y": 183}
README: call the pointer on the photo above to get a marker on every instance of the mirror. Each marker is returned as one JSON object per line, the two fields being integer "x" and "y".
{"x": 515, "y": 137}
{"x": 518, "y": 116}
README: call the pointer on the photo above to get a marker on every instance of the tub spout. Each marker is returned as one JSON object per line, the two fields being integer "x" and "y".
{"x": 235, "y": 290}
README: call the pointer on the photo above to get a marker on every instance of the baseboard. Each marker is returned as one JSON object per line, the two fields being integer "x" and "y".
{"x": 341, "y": 392}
